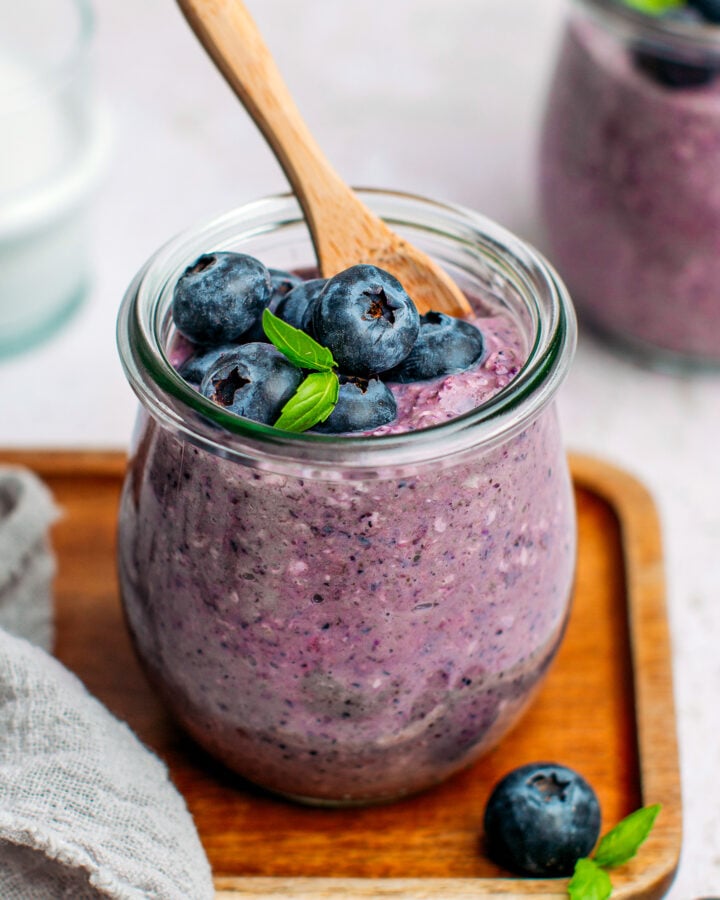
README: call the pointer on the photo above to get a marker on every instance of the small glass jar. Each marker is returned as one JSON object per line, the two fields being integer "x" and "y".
{"x": 349, "y": 619}
{"x": 630, "y": 179}
{"x": 53, "y": 142}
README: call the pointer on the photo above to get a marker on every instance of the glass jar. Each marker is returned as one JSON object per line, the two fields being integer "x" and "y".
{"x": 53, "y": 144}
{"x": 630, "y": 179}
{"x": 349, "y": 619}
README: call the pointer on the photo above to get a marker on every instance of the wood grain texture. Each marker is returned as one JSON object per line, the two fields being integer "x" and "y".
{"x": 606, "y": 709}
{"x": 344, "y": 231}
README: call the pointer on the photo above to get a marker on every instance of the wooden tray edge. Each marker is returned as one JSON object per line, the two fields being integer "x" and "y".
{"x": 651, "y": 653}
{"x": 66, "y": 462}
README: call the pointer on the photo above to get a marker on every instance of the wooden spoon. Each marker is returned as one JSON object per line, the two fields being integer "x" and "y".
{"x": 344, "y": 231}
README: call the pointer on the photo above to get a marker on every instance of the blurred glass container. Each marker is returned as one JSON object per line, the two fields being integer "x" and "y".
{"x": 52, "y": 146}
{"x": 630, "y": 179}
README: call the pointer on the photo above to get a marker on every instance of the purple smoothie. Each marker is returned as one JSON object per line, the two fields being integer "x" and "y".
{"x": 353, "y": 640}
{"x": 630, "y": 194}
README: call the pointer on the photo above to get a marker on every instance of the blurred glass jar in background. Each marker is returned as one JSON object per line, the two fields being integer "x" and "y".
{"x": 52, "y": 145}
{"x": 630, "y": 178}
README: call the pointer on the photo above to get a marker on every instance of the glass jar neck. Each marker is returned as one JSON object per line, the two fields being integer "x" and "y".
{"x": 455, "y": 237}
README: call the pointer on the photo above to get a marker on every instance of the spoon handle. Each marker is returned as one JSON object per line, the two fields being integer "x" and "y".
{"x": 231, "y": 37}
{"x": 343, "y": 230}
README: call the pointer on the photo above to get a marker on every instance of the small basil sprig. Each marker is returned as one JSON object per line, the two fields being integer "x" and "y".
{"x": 302, "y": 350}
{"x": 311, "y": 403}
{"x": 654, "y": 7}
{"x": 317, "y": 395}
{"x": 590, "y": 881}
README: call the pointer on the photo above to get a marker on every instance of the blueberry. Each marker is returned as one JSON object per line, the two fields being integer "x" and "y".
{"x": 282, "y": 283}
{"x": 297, "y": 307}
{"x": 540, "y": 819}
{"x": 685, "y": 14}
{"x": 220, "y": 296}
{"x": 363, "y": 404}
{"x": 366, "y": 319}
{"x": 708, "y": 9}
{"x": 195, "y": 367}
{"x": 672, "y": 72}
{"x": 254, "y": 380}
{"x": 444, "y": 346}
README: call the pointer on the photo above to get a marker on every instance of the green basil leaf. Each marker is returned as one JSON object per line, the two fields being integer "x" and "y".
{"x": 654, "y": 7}
{"x": 622, "y": 842}
{"x": 302, "y": 350}
{"x": 311, "y": 403}
{"x": 589, "y": 882}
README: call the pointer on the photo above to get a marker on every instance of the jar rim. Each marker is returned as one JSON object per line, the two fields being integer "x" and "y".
{"x": 684, "y": 36}
{"x": 178, "y": 406}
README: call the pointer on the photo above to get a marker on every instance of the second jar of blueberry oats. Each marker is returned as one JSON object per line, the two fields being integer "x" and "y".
{"x": 630, "y": 176}
{"x": 351, "y": 618}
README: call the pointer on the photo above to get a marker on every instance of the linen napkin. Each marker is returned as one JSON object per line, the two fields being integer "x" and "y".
{"x": 86, "y": 811}
{"x": 26, "y": 562}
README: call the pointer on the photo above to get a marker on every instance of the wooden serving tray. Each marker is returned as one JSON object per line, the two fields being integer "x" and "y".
{"x": 606, "y": 709}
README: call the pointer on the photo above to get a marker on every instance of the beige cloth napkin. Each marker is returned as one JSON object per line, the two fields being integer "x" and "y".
{"x": 26, "y": 563}
{"x": 86, "y": 811}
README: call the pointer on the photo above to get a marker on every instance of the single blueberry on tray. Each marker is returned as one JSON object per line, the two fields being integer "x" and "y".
{"x": 254, "y": 381}
{"x": 444, "y": 346}
{"x": 367, "y": 320}
{"x": 540, "y": 819}
{"x": 362, "y": 405}
{"x": 220, "y": 297}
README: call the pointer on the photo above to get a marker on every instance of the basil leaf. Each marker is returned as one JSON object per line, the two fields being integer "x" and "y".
{"x": 622, "y": 842}
{"x": 302, "y": 350}
{"x": 589, "y": 882}
{"x": 311, "y": 403}
{"x": 654, "y": 7}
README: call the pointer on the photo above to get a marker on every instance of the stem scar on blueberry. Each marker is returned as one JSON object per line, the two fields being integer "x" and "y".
{"x": 225, "y": 388}
{"x": 361, "y": 383}
{"x": 550, "y": 786}
{"x": 380, "y": 307}
{"x": 202, "y": 263}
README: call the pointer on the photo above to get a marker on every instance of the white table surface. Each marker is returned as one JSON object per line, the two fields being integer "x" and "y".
{"x": 441, "y": 98}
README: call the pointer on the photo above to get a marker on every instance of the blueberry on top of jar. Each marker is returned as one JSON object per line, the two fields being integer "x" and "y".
{"x": 671, "y": 72}
{"x": 282, "y": 283}
{"x": 254, "y": 381}
{"x": 220, "y": 296}
{"x": 672, "y": 69}
{"x": 708, "y": 9}
{"x": 363, "y": 404}
{"x": 366, "y": 319}
{"x": 298, "y": 305}
{"x": 196, "y": 366}
{"x": 444, "y": 346}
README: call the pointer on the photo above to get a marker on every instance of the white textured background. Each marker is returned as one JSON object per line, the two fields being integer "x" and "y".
{"x": 441, "y": 97}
